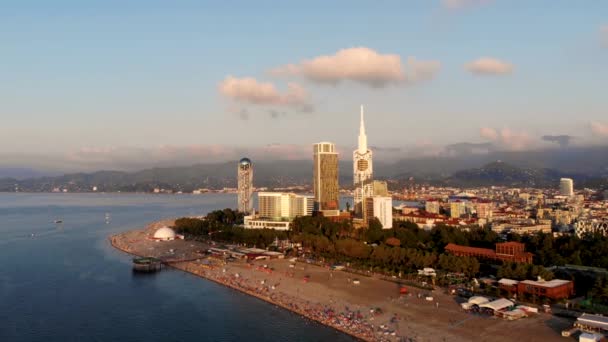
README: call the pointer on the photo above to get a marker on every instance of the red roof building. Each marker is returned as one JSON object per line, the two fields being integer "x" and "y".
{"x": 506, "y": 251}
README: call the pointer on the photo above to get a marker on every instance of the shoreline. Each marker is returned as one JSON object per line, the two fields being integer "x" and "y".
{"x": 372, "y": 309}
{"x": 266, "y": 299}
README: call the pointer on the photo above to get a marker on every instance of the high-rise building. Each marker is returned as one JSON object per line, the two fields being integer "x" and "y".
{"x": 281, "y": 205}
{"x": 380, "y": 207}
{"x": 362, "y": 170}
{"x": 245, "y": 185}
{"x": 457, "y": 209}
{"x": 432, "y": 206}
{"x": 566, "y": 187}
{"x": 325, "y": 176}
{"x": 380, "y": 188}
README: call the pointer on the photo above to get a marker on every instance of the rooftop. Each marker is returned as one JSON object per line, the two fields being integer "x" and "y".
{"x": 550, "y": 283}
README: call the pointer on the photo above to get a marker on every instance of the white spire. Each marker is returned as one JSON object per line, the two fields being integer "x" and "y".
{"x": 362, "y": 136}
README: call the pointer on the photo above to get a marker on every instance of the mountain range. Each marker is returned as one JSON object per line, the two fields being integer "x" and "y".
{"x": 543, "y": 168}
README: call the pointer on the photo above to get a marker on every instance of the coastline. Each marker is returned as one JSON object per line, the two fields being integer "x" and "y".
{"x": 371, "y": 310}
{"x": 183, "y": 267}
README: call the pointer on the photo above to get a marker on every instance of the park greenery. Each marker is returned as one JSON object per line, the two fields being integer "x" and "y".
{"x": 406, "y": 248}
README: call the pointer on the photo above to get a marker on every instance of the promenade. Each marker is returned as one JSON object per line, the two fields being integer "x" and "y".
{"x": 372, "y": 310}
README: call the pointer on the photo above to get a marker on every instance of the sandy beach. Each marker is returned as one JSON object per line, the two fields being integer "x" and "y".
{"x": 331, "y": 297}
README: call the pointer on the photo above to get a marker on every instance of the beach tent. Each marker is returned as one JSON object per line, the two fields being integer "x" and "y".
{"x": 497, "y": 305}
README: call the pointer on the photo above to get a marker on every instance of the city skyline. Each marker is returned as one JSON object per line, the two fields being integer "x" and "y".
{"x": 114, "y": 88}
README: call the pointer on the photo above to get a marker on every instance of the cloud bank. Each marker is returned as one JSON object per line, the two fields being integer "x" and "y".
{"x": 361, "y": 65}
{"x": 489, "y": 66}
{"x": 250, "y": 91}
{"x": 599, "y": 129}
{"x": 562, "y": 140}
{"x": 506, "y": 138}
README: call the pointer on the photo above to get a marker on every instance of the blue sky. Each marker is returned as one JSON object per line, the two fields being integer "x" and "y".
{"x": 106, "y": 80}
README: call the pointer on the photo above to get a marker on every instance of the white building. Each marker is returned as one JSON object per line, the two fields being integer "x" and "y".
{"x": 362, "y": 170}
{"x": 566, "y": 187}
{"x": 278, "y": 209}
{"x": 283, "y": 205}
{"x": 254, "y": 222}
{"x": 380, "y": 207}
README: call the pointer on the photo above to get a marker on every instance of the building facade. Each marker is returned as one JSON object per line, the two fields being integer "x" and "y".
{"x": 281, "y": 205}
{"x": 362, "y": 170}
{"x": 553, "y": 289}
{"x": 379, "y": 188}
{"x": 432, "y": 206}
{"x": 325, "y": 176}
{"x": 506, "y": 251}
{"x": 380, "y": 207}
{"x": 566, "y": 187}
{"x": 245, "y": 185}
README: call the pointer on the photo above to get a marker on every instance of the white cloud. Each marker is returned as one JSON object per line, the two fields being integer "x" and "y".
{"x": 249, "y": 90}
{"x": 489, "y": 66}
{"x": 507, "y": 138}
{"x": 488, "y": 133}
{"x": 599, "y": 129}
{"x": 461, "y": 4}
{"x": 362, "y": 65}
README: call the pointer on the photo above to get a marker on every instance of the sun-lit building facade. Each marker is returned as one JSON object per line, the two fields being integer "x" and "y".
{"x": 245, "y": 185}
{"x": 362, "y": 171}
{"x": 325, "y": 177}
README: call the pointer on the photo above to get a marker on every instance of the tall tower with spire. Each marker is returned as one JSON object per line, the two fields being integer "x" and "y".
{"x": 362, "y": 170}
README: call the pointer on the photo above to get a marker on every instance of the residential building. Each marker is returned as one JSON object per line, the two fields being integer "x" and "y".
{"x": 457, "y": 209}
{"x": 432, "y": 206}
{"x": 281, "y": 205}
{"x": 566, "y": 187}
{"x": 379, "y": 188}
{"x": 380, "y": 207}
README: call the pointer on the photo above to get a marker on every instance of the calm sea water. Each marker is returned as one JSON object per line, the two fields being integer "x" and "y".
{"x": 66, "y": 283}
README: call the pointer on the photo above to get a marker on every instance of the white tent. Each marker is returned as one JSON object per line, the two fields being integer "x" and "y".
{"x": 498, "y": 304}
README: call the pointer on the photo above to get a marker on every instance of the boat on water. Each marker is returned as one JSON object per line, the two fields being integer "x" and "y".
{"x": 58, "y": 221}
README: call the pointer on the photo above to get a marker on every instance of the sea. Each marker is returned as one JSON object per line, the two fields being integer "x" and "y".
{"x": 65, "y": 282}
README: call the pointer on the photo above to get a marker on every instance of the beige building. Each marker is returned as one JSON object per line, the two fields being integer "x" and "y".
{"x": 325, "y": 176}
{"x": 380, "y": 188}
{"x": 282, "y": 205}
{"x": 457, "y": 209}
{"x": 432, "y": 206}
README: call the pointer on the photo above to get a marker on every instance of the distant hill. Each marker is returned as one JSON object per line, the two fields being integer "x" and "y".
{"x": 588, "y": 166}
{"x": 20, "y": 173}
{"x": 500, "y": 173}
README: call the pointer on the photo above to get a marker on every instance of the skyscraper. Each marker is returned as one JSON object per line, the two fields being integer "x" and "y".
{"x": 245, "y": 185}
{"x": 566, "y": 187}
{"x": 362, "y": 170}
{"x": 325, "y": 176}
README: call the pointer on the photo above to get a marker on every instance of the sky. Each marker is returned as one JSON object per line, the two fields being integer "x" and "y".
{"x": 128, "y": 84}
